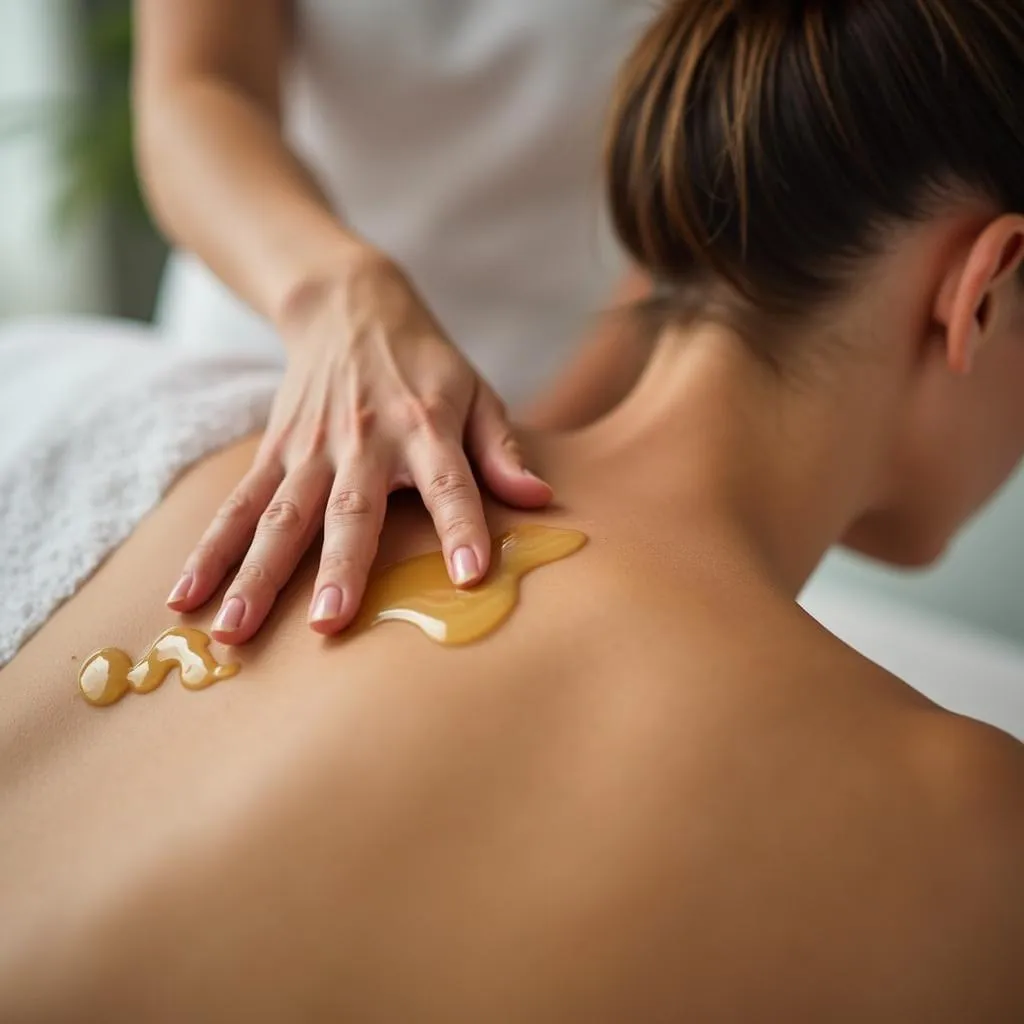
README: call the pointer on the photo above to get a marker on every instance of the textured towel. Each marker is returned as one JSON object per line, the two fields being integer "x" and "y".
{"x": 97, "y": 419}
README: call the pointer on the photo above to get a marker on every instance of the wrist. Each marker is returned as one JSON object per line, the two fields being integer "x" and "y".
{"x": 338, "y": 273}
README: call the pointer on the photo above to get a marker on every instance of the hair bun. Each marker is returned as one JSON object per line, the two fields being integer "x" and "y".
{"x": 782, "y": 10}
{"x": 761, "y": 144}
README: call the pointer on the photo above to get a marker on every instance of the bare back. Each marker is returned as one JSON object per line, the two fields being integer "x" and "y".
{"x": 657, "y": 788}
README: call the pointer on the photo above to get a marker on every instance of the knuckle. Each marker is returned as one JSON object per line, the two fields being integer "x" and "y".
{"x": 337, "y": 565}
{"x": 281, "y": 516}
{"x": 271, "y": 452}
{"x": 514, "y": 453}
{"x": 255, "y": 576}
{"x": 449, "y": 486}
{"x": 432, "y": 413}
{"x": 436, "y": 407}
{"x": 311, "y": 448}
{"x": 310, "y": 457}
{"x": 238, "y": 507}
{"x": 456, "y": 526}
{"x": 410, "y": 415}
{"x": 361, "y": 422}
{"x": 346, "y": 504}
{"x": 207, "y": 552}
{"x": 509, "y": 443}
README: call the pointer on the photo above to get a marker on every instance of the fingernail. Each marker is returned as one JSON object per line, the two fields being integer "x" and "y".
{"x": 465, "y": 567}
{"x": 229, "y": 618}
{"x": 328, "y": 605}
{"x": 181, "y": 588}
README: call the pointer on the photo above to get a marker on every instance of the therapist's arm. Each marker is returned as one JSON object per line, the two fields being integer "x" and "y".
{"x": 218, "y": 177}
{"x": 603, "y": 371}
{"x": 374, "y": 395}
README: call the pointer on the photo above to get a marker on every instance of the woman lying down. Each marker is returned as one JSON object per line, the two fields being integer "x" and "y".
{"x": 659, "y": 791}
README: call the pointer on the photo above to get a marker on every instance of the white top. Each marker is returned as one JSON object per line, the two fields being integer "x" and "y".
{"x": 463, "y": 137}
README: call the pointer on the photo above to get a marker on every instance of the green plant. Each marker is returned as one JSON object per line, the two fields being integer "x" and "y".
{"x": 92, "y": 133}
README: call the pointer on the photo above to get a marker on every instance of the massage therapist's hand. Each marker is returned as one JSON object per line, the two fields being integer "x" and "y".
{"x": 374, "y": 398}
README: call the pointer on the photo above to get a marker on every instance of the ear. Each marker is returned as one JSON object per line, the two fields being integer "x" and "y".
{"x": 970, "y": 292}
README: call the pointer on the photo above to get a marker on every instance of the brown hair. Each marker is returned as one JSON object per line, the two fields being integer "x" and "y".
{"x": 766, "y": 145}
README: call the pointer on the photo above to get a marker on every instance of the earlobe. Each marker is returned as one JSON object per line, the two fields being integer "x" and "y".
{"x": 965, "y": 304}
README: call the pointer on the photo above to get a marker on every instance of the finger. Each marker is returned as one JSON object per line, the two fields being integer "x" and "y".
{"x": 441, "y": 473}
{"x": 352, "y": 524}
{"x": 284, "y": 532}
{"x": 494, "y": 448}
{"x": 226, "y": 538}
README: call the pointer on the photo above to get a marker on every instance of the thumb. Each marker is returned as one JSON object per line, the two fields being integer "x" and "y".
{"x": 492, "y": 443}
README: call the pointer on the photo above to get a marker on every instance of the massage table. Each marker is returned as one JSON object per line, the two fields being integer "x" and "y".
{"x": 962, "y": 669}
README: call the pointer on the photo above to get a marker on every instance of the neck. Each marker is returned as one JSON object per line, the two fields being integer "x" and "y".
{"x": 712, "y": 444}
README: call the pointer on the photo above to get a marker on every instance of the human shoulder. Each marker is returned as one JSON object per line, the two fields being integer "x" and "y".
{"x": 973, "y": 777}
{"x": 976, "y": 767}
{"x": 977, "y": 776}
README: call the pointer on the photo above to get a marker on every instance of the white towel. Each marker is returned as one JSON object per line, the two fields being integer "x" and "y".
{"x": 97, "y": 419}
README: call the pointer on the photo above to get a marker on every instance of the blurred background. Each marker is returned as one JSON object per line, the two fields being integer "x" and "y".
{"x": 74, "y": 235}
{"x": 75, "y": 239}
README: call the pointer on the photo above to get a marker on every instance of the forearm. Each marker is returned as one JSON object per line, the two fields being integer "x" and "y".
{"x": 223, "y": 184}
